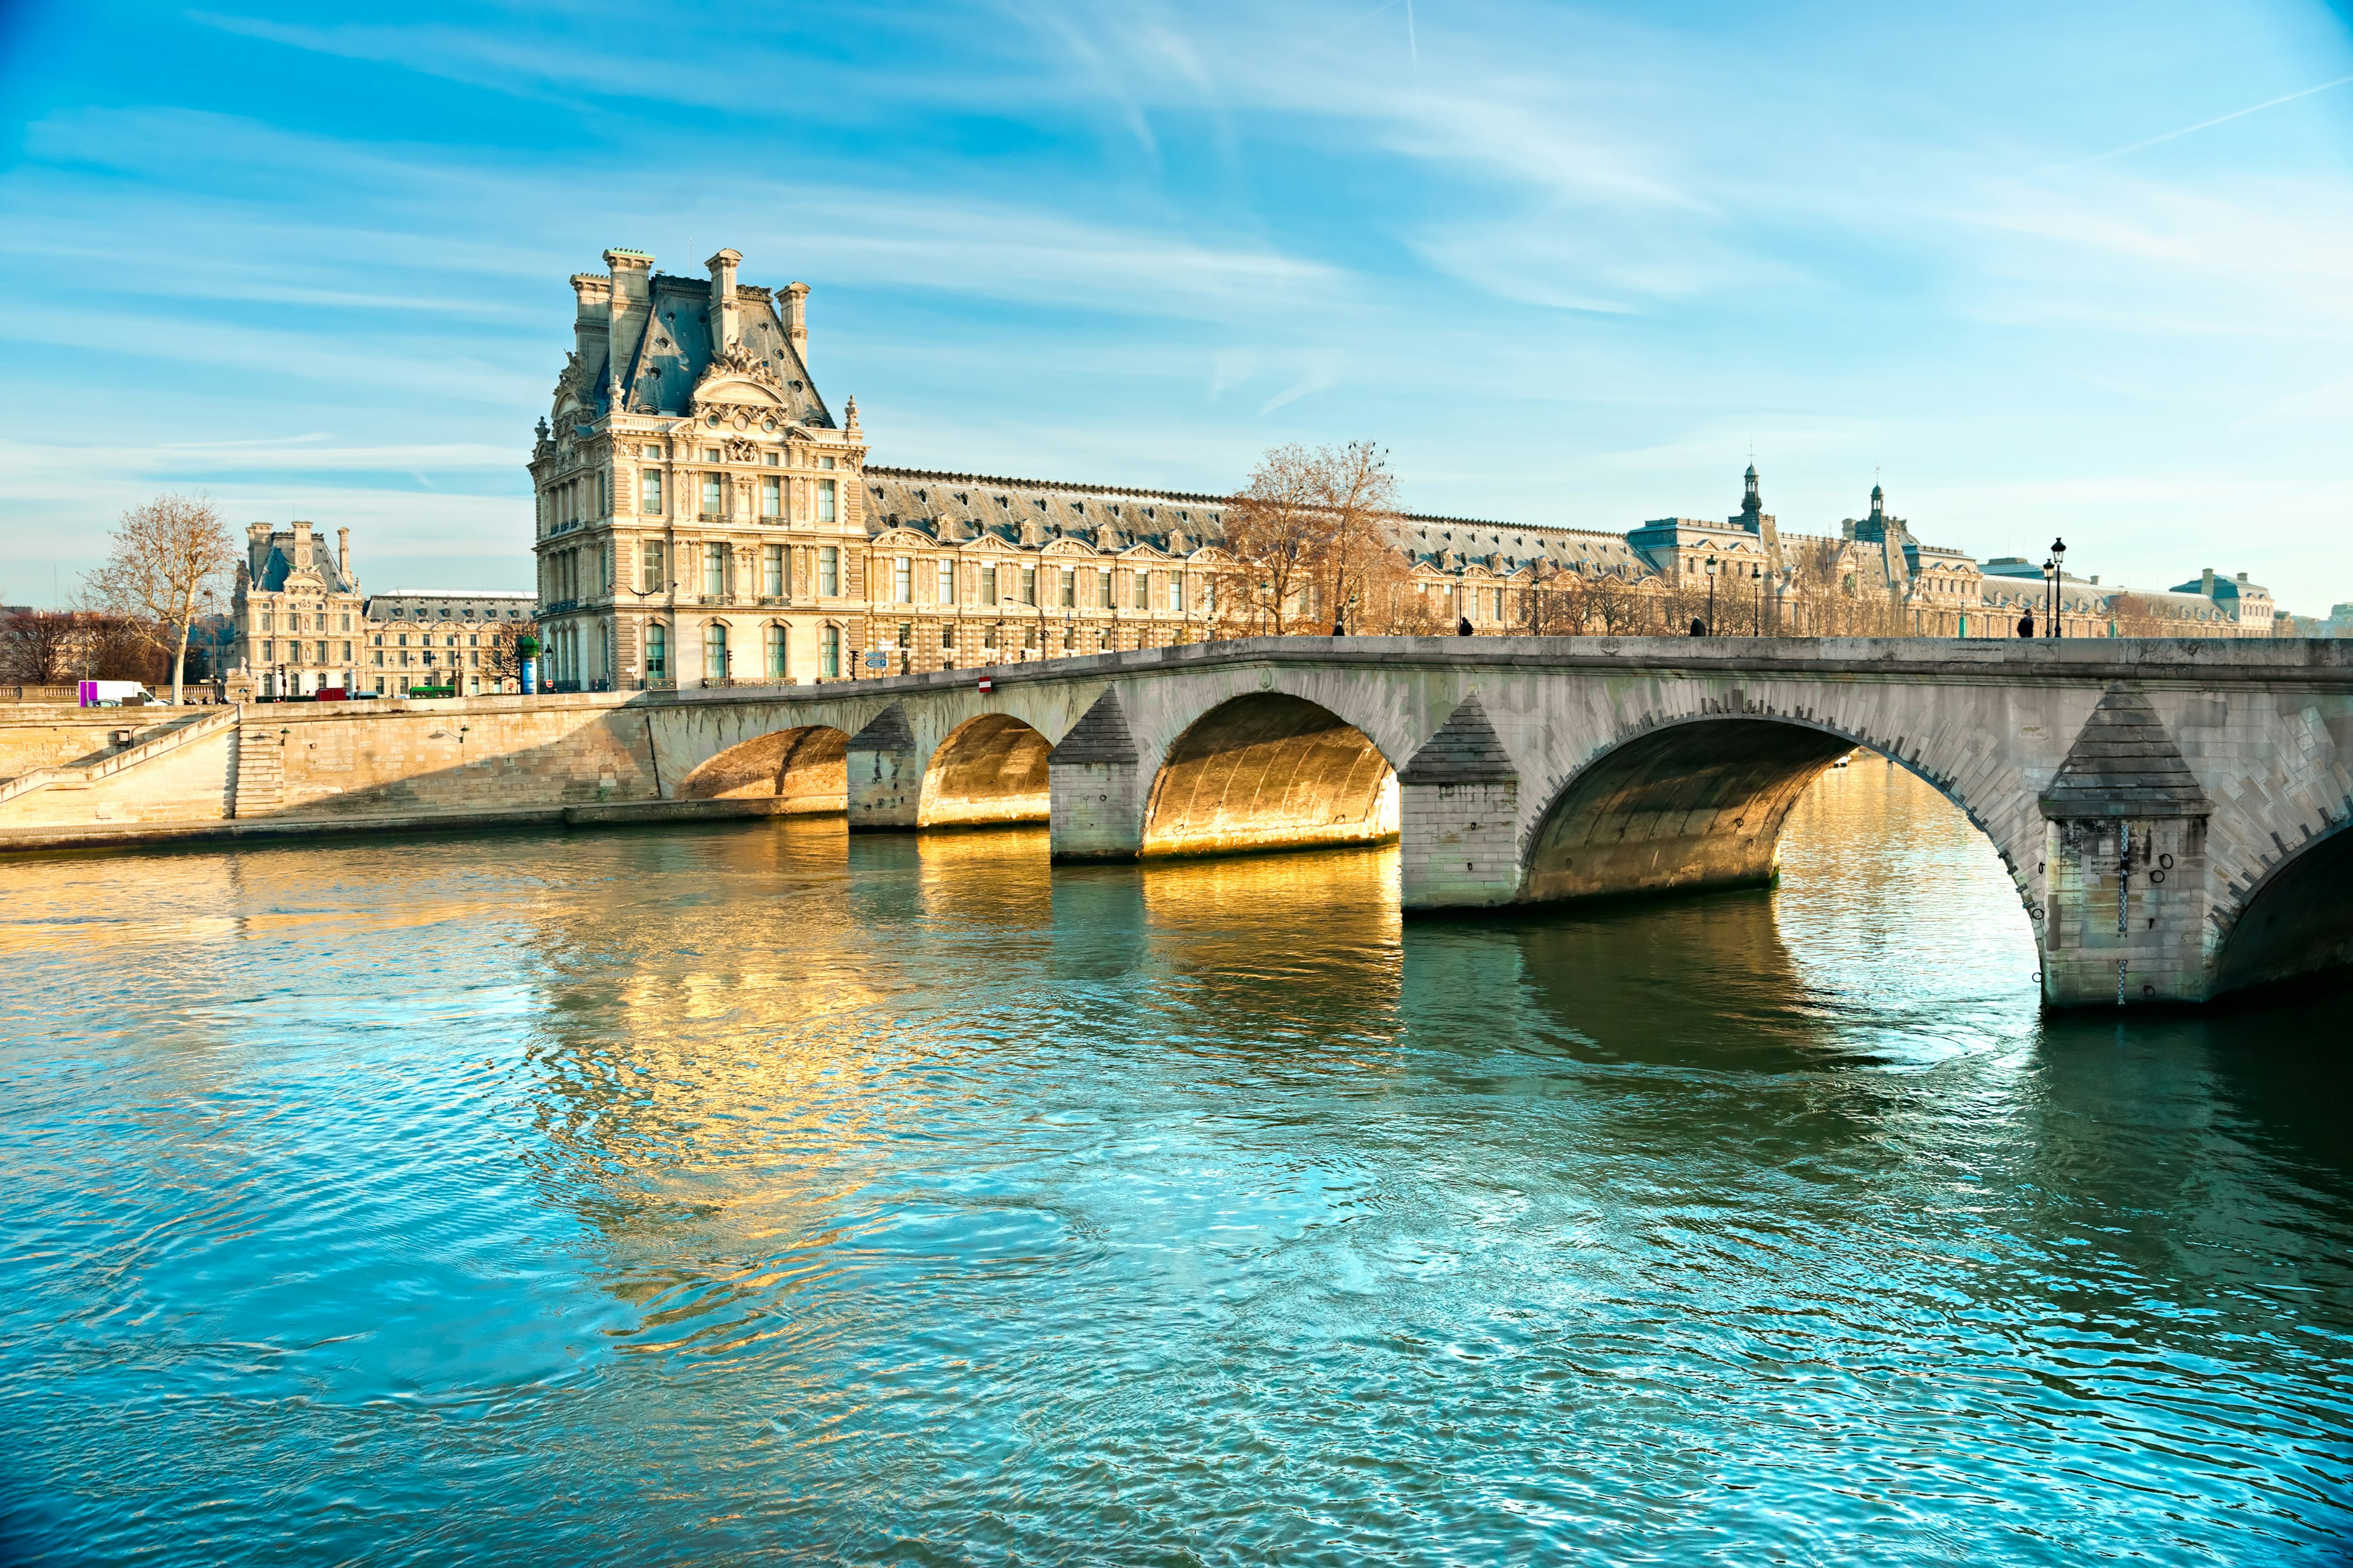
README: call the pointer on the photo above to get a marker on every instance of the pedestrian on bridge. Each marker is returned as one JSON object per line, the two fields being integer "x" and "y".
{"x": 2026, "y": 625}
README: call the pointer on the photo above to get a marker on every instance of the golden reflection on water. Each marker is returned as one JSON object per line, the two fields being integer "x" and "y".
{"x": 865, "y": 1189}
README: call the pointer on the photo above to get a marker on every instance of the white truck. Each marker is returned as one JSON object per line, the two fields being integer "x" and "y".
{"x": 117, "y": 694}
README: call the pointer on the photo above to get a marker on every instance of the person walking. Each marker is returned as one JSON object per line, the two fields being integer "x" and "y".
{"x": 2026, "y": 625}
{"x": 1464, "y": 629}
{"x": 1699, "y": 627}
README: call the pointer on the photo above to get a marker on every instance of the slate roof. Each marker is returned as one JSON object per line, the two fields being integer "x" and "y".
{"x": 1013, "y": 509}
{"x": 665, "y": 360}
{"x": 2123, "y": 765}
{"x": 279, "y": 567}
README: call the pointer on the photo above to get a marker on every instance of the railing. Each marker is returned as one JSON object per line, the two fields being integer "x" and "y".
{"x": 557, "y": 607}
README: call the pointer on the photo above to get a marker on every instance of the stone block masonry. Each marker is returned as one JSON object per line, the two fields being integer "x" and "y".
{"x": 2177, "y": 809}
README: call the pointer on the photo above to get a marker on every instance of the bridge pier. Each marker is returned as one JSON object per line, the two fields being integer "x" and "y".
{"x": 2123, "y": 919}
{"x": 1458, "y": 817}
{"x": 884, "y": 781}
{"x": 1092, "y": 783}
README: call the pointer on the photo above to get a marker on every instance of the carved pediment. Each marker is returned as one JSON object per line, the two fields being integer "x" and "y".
{"x": 738, "y": 385}
{"x": 1066, "y": 547}
{"x": 992, "y": 545}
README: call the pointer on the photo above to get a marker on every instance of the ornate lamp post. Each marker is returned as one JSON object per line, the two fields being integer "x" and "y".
{"x": 1711, "y": 596}
{"x": 2058, "y": 587}
{"x": 2050, "y": 585}
{"x": 642, "y": 596}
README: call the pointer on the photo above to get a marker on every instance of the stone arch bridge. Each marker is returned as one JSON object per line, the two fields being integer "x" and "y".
{"x": 2171, "y": 812}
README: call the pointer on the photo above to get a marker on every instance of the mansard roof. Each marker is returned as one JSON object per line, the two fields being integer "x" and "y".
{"x": 1034, "y": 513}
{"x": 666, "y": 354}
{"x": 279, "y": 567}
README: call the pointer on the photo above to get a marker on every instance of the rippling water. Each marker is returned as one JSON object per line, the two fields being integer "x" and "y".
{"x": 701, "y": 1194}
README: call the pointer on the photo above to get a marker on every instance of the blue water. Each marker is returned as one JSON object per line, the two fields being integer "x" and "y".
{"x": 752, "y": 1192}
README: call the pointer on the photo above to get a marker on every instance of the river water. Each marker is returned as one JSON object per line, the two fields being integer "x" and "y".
{"x": 750, "y": 1191}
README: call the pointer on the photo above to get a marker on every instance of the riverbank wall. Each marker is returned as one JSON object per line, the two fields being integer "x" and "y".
{"x": 88, "y": 778}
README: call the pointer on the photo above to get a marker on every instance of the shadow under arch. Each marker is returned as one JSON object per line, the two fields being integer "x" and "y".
{"x": 2295, "y": 931}
{"x": 807, "y": 766}
{"x": 1269, "y": 771}
{"x": 1692, "y": 805}
{"x": 986, "y": 773}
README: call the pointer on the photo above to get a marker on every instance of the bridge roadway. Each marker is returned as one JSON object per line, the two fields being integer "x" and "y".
{"x": 2170, "y": 811}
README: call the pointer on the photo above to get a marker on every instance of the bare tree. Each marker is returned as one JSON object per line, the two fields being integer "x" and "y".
{"x": 169, "y": 560}
{"x": 1360, "y": 563}
{"x": 1613, "y": 601}
{"x": 1275, "y": 526}
{"x": 36, "y": 645}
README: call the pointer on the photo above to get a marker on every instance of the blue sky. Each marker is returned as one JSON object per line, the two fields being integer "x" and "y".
{"x": 2035, "y": 267}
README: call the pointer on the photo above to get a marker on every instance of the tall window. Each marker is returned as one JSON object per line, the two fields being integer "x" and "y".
{"x": 1144, "y": 589}
{"x": 715, "y": 571}
{"x": 772, "y": 496}
{"x": 658, "y": 651}
{"x": 714, "y": 651}
{"x": 829, "y": 571}
{"x": 831, "y": 643}
{"x": 903, "y": 581}
{"x": 1028, "y": 585}
{"x": 775, "y": 652}
{"x": 1102, "y": 593}
{"x": 711, "y": 484}
{"x": 1175, "y": 590}
{"x": 649, "y": 567}
{"x": 944, "y": 592}
{"x": 824, "y": 500}
{"x": 771, "y": 571}
{"x": 988, "y": 584}
{"x": 1070, "y": 587}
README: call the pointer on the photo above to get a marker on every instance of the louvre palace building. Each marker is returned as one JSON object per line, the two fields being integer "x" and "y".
{"x": 704, "y": 516}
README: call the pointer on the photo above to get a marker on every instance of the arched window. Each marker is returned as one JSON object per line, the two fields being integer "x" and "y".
{"x": 775, "y": 652}
{"x": 714, "y": 651}
{"x": 832, "y": 646}
{"x": 657, "y": 651}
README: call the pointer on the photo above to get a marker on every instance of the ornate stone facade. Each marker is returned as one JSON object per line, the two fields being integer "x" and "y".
{"x": 703, "y": 518}
{"x": 298, "y": 623}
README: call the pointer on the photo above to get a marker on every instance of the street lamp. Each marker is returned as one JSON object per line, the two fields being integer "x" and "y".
{"x": 2050, "y": 587}
{"x": 1756, "y": 575}
{"x": 642, "y": 596}
{"x": 2058, "y": 574}
{"x": 1711, "y": 596}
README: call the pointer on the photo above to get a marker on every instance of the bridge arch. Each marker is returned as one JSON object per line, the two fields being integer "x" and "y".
{"x": 1698, "y": 803}
{"x": 804, "y": 765}
{"x": 1269, "y": 770}
{"x": 986, "y": 772}
{"x": 2294, "y": 927}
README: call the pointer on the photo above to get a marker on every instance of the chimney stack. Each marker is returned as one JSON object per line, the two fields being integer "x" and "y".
{"x": 629, "y": 304}
{"x": 256, "y": 546}
{"x": 343, "y": 556}
{"x": 722, "y": 299}
{"x": 592, "y": 296}
{"x": 302, "y": 543}
{"x": 2206, "y": 582}
{"x": 796, "y": 315}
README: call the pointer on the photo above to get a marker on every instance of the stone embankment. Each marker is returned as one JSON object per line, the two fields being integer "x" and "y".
{"x": 75, "y": 777}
